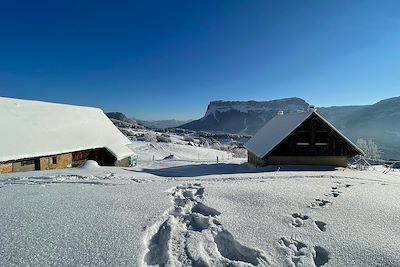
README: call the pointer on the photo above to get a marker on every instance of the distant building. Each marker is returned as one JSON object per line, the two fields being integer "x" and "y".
{"x": 304, "y": 138}
{"x": 37, "y": 135}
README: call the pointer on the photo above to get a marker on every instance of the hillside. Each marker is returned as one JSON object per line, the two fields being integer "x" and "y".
{"x": 122, "y": 122}
{"x": 379, "y": 122}
{"x": 162, "y": 124}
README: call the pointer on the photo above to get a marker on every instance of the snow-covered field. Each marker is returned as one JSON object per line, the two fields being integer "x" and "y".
{"x": 190, "y": 211}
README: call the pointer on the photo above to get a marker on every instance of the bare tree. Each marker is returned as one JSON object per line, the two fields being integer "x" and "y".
{"x": 150, "y": 136}
{"x": 164, "y": 138}
{"x": 369, "y": 148}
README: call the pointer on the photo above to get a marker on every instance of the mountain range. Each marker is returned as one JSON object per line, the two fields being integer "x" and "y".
{"x": 379, "y": 122}
{"x": 121, "y": 119}
{"x": 243, "y": 117}
{"x": 162, "y": 124}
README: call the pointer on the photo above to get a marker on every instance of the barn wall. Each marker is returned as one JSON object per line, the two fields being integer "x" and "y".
{"x": 68, "y": 160}
{"x": 63, "y": 161}
{"x": 79, "y": 157}
{"x": 126, "y": 162}
{"x": 250, "y": 158}
{"x": 20, "y": 167}
{"x": 6, "y": 167}
{"x": 256, "y": 161}
{"x": 339, "y": 161}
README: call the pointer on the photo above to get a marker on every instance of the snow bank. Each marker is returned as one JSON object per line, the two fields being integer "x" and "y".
{"x": 90, "y": 164}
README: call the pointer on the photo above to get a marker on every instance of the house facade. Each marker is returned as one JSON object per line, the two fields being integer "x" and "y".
{"x": 38, "y": 135}
{"x": 304, "y": 138}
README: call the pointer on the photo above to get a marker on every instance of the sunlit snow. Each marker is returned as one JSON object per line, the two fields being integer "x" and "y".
{"x": 187, "y": 210}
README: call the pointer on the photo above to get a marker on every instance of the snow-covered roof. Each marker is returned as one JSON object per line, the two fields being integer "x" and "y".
{"x": 34, "y": 128}
{"x": 274, "y": 132}
{"x": 278, "y": 128}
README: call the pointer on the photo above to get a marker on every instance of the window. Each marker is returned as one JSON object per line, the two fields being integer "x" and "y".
{"x": 27, "y": 162}
{"x": 321, "y": 144}
{"x": 302, "y": 144}
{"x": 321, "y": 138}
{"x": 303, "y": 138}
{"x": 54, "y": 160}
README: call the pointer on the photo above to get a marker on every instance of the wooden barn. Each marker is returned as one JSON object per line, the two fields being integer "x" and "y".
{"x": 304, "y": 138}
{"x": 43, "y": 136}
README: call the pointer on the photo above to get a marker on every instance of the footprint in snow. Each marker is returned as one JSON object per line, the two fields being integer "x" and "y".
{"x": 299, "y": 254}
{"x": 298, "y": 219}
{"x": 320, "y": 203}
{"x": 335, "y": 189}
{"x": 321, "y": 225}
{"x": 335, "y": 192}
{"x": 192, "y": 236}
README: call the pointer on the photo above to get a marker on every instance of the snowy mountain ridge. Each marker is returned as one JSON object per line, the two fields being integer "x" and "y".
{"x": 243, "y": 117}
{"x": 287, "y": 104}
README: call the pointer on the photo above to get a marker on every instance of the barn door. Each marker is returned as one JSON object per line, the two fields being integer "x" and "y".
{"x": 37, "y": 164}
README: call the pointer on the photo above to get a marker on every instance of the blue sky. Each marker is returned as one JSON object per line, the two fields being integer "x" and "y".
{"x": 168, "y": 59}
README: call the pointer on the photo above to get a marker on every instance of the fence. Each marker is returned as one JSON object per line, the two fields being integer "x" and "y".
{"x": 363, "y": 163}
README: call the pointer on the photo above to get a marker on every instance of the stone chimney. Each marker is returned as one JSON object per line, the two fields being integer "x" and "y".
{"x": 280, "y": 113}
{"x": 312, "y": 108}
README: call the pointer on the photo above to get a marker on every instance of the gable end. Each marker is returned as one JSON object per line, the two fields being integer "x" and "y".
{"x": 315, "y": 137}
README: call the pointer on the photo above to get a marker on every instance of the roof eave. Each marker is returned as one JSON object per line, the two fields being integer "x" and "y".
{"x": 341, "y": 134}
{"x": 255, "y": 153}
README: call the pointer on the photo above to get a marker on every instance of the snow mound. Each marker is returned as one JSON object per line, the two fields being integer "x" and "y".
{"x": 90, "y": 164}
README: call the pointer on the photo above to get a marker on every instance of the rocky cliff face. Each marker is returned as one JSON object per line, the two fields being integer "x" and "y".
{"x": 243, "y": 117}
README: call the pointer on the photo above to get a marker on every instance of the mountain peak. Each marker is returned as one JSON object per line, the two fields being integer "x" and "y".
{"x": 244, "y": 117}
{"x": 286, "y": 104}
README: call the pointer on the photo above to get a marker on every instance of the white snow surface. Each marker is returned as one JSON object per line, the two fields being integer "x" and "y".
{"x": 191, "y": 212}
{"x": 145, "y": 151}
{"x": 35, "y": 128}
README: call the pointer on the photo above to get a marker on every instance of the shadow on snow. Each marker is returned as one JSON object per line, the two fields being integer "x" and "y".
{"x": 226, "y": 168}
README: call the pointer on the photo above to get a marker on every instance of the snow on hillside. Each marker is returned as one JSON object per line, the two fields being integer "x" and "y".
{"x": 146, "y": 151}
{"x": 184, "y": 211}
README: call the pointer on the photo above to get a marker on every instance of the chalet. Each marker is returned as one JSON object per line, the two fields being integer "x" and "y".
{"x": 303, "y": 138}
{"x": 38, "y": 135}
